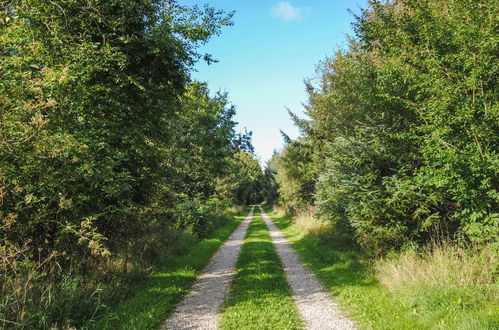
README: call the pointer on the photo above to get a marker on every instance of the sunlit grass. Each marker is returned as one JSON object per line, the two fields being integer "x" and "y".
{"x": 449, "y": 285}
{"x": 149, "y": 303}
{"x": 260, "y": 297}
{"x": 412, "y": 293}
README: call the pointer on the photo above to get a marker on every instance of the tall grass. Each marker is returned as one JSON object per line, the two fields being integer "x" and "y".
{"x": 37, "y": 293}
{"x": 444, "y": 264}
{"x": 48, "y": 291}
{"x": 305, "y": 219}
{"x": 444, "y": 286}
{"x": 446, "y": 283}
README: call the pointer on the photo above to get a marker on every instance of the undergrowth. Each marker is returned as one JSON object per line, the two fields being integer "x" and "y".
{"x": 448, "y": 285}
{"x": 40, "y": 292}
{"x": 147, "y": 304}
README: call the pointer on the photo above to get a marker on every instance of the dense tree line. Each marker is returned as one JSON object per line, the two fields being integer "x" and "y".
{"x": 109, "y": 153}
{"x": 402, "y": 136}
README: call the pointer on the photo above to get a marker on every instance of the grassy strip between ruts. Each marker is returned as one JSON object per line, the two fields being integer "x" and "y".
{"x": 260, "y": 297}
{"x": 352, "y": 282}
{"x": 150, "y": 302}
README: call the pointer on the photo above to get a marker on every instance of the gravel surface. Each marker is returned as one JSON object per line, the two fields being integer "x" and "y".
{"x": 199, "y": 309}
{"x": 314, "y": 304}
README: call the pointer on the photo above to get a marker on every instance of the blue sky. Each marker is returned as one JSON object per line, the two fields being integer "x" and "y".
{"x": 265, "y": 56}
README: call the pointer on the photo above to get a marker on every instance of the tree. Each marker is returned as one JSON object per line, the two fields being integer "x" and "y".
{"x": 402, "y": 128}
{"x": 295, "y": 174}
{"x": 95, "y": 97}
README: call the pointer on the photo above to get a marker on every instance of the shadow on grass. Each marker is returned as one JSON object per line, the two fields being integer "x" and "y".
{"x": 147, "y": 303}
{"x": 333, "y": 256}
{"x": 338, "y": 263}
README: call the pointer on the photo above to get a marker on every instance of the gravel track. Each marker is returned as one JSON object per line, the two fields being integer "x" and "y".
{"x": 199, "y": 309}
{"x": 314, "y": 304}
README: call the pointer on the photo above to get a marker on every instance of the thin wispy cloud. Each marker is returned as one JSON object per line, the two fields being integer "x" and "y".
{"x": 285, "y": 11}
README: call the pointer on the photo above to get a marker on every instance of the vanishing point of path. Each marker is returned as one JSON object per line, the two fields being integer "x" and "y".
{"x": 199, "y": 309}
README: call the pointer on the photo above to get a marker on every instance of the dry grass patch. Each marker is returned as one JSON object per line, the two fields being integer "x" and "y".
{"x": 305, "y": 219}
{"x": 441, "y": 265}
{"x": 450, "y": 285}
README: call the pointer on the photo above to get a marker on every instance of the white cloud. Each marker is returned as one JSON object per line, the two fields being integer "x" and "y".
{"x": 287, "y": 12}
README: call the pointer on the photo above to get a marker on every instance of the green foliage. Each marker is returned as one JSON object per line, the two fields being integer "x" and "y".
{"x": 110, "y": 157}
{"x": 294, "y": 174}
{"x": 402, "y": 129}
{"x": 195, "y": 215}
{"x": 89, "y": 96}
{"x": 245, "y": 178}
{"x": 270, "y": 185}
{"x": 202, "y": 136}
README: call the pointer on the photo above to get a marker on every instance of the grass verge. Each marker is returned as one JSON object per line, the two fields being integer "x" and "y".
{"x": 353, "y": 281}
{"x": 260, "y": 297}
{"x": 151, "y": 301}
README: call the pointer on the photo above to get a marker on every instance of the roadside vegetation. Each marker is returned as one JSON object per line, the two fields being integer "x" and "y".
{"x": 112, "y": 159}
{"x": 117, "y": 168}
{"x": 397, "y": 166}
{"x": 446, "y": 288}
{"x": 147, "y": 304}
{"x": 400, "y": 136}
{"x": 260, "y": 297}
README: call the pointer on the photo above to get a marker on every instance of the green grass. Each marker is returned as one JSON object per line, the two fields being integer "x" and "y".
{"x": 260, "y": 297}
{"x": 151, "y": 301}
{"x": 352, "y": 282}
